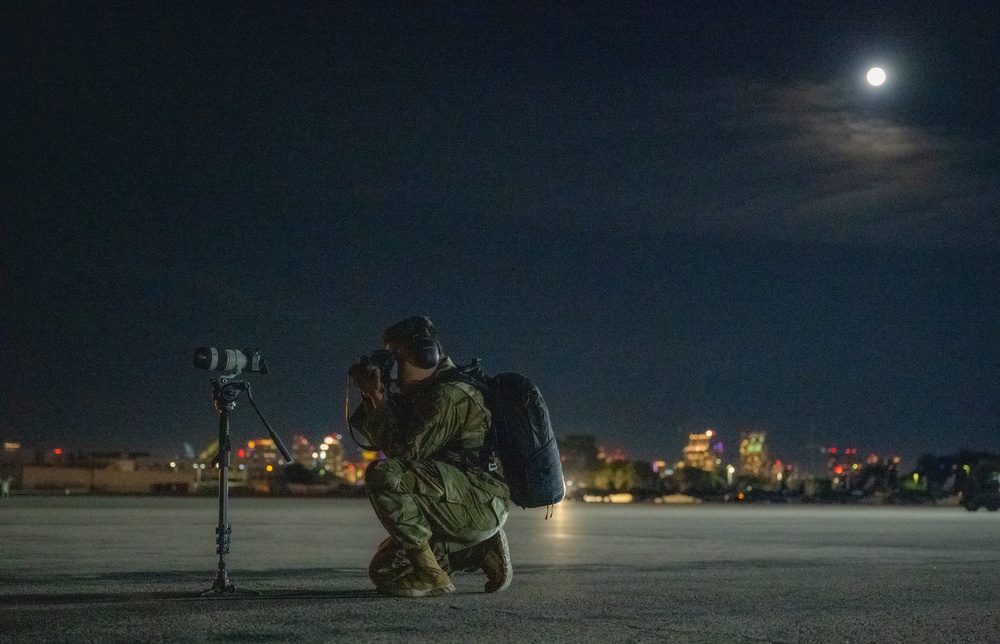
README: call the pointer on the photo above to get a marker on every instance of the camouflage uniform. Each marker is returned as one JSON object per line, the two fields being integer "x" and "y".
{"x": 432, "y": 487}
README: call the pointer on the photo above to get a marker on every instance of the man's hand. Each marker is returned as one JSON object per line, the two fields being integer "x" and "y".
{"x": 368, "y": 378}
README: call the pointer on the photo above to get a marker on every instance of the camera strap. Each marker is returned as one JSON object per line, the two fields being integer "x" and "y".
{"x": 347, "y": 420}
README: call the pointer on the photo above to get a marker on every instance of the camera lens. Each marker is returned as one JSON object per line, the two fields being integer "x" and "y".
{"x": 205, "y": 358}
{"x": 219, "y": 360}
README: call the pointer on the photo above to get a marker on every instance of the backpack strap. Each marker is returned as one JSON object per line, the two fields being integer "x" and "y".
{"x": 472, "y": 374}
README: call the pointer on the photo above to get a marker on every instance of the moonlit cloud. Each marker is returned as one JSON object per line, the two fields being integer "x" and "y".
{"x": 813, "y": 166}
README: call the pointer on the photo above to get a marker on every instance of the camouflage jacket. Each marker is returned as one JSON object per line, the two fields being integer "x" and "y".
{"x": 438, "y": 419}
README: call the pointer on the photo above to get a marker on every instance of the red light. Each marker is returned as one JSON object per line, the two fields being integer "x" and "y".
{"x": 839, "y": 469}
{"x": 242, "y": 453}
{"x": 833, "y": 450}
{"x": 58, "y": 450}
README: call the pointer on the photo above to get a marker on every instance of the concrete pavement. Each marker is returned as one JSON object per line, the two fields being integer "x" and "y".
{"x": 92, "y": 569}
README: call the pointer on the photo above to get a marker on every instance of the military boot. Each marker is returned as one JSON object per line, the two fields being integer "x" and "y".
{"x": 426, "y": 578}
{"x": 389, "y": 563}
{"x": 493, "y": 556}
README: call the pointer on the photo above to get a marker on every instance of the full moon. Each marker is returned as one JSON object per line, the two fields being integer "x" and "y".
{"x": 876, "y": 76}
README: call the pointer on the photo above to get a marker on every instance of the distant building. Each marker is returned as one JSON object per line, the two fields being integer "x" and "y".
{"x": 110, "y": 473}
{"x": 303, "y": 452}
{"x": 615, "y": 456}
{"x": 261, "y": 457}
{"x": 753, "y": 454}
{"x": 331, "y": 457}
{"x": 579, "y": 453}
{"x": 354, "y": 471}
{"x": 12, "y": 460}
{"x": 846, "y": 467}
{"x": 699, "y": 453}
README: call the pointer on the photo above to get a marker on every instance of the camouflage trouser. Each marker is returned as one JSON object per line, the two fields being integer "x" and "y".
{"x": 422, "y": 502}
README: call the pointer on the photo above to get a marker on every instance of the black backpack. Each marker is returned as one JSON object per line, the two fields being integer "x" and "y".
{"x": 520, "y": 436}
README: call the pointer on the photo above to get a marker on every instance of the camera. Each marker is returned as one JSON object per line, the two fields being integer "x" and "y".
{"x": 365, "y": 368}
{"x": 384, "y": 361}
{"x": 231, "y": 361}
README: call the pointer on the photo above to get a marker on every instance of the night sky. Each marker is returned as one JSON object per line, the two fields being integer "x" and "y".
{"x": 671, "y": 217}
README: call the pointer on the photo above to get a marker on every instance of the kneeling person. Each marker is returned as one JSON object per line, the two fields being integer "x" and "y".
{"x": 441, "y": 507}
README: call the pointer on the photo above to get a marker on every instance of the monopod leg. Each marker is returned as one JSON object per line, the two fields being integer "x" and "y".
{"x": 223, "y": 532}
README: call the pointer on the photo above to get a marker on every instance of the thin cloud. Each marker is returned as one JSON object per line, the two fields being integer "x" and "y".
{"x": 814, "y": 167}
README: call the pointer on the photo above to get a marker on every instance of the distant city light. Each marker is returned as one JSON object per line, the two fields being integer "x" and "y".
{"x": 173, "y": 464}
{"x": 270, "y": 468}
{"x": 610, "y": 498}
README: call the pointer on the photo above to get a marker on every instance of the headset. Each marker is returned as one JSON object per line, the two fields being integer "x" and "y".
{"x": 416, "y": 340}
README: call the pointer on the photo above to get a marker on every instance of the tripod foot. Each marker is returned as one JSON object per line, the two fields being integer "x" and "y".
{"x": 222, "y": 585}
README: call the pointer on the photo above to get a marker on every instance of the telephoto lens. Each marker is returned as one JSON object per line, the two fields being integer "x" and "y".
{"x": 229, "y": 360}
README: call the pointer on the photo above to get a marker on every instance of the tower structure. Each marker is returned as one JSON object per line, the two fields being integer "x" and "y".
{"x": 753, "y": 454}
{"x": 698, "y": 452}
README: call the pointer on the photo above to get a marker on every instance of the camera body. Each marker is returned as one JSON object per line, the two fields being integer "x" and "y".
{"x": 384, "y": 361}
{"x": 363, "y": 372}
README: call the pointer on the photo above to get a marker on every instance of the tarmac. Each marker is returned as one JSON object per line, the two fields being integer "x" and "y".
{"x": 106, "y": 569}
